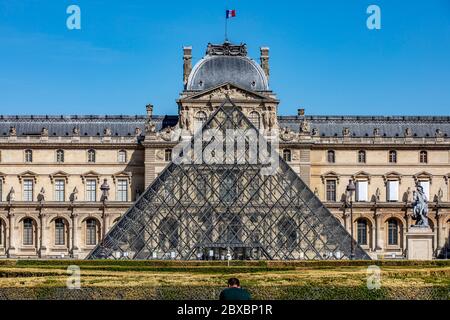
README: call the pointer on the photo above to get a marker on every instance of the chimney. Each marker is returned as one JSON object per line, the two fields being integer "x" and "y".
{"x": 301, "y": 112}
{"x": 265, "y": 61}
{"x": 187, "y": 64}
{"x": 149, "y": 109}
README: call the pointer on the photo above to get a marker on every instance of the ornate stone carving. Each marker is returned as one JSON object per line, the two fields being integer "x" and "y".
{"x": 12, "y": 131}
{"x": 107, "y": 132}
{"x": 44, "y": 132}
{"x": 287, "y": 134}
{"x": 185, "y": 119}
{"x": 226, "y": 49}
{"x": 439, "y": 133}
{"x": 408, "y": 132}
{"x": 150, "y": 127}
{"x": 137, "y": 131}
{"x": 346, "y": 132}
{"x": 376, "y": 132}
{"x": 269, "y": 119}
{"x": 305, "y": 127}
{"x": 160, "y": 154}
{"x": 315, "y": 132}
{"x": 76, "y": 131}
{"x": 166, "y": 134}
{"x": 420, "y": 207}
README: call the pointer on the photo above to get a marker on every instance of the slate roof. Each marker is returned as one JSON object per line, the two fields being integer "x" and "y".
{"x": 121, "y": 126}
{"x": 364, "y": 126}
{"x": 328, "y": 126}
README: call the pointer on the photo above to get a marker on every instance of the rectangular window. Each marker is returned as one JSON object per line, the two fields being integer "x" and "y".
{"x": 91, "y": 190}
{"x": 60, "y": 185}
{"x": 28, "y": 190}
{"x": 392, "y": 191}
{"x": 122, "y": 190}
{"x": 426, "y": 188}
{"x": 362, "y": 191}
{"x": 59, "y": 233}
{"x": 331, "y": 190}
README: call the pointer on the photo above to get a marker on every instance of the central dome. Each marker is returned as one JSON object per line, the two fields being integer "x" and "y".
{"x": 227, "y": 63}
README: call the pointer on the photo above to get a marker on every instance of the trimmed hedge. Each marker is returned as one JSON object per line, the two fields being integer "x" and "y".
{"x": 212, "y": 293}
{"x": 256, "y": 264}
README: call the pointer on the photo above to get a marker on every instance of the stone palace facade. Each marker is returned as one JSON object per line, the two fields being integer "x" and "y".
{"x": 66, "y": 180}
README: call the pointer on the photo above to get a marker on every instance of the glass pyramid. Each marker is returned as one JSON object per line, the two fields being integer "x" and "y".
{"x": 227, "y": 205}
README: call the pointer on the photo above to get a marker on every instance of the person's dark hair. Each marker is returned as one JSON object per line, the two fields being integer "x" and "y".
{"x": 233, "y": 282}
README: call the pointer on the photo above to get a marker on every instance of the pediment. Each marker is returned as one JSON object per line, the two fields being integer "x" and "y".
{"x": 223, "y": 91}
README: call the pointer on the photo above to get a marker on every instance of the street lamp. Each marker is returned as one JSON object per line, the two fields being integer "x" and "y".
{"x": 350, "y": 190}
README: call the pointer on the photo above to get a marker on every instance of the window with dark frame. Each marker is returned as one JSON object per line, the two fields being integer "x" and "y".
{"x": 168, "y": 155}
{"x": 91, "y": 156}
{"x": 28, "y": 232}
{"x": 60, "y": 156}
{"x": 28, "y": 156}
{"x": 60, "y": 190}
{"x": 392, "y": 232}
{"x": 28, "y": 189}
{"x": 91, "y": 232}
{"x": 362, "y": 232}
{"x": 423, "y": 156}
{"x": 60, "y": 234}
{"x": 331, "y": 190}
{"x": 287, "y": 155}
{"x": 392, "y": 156}
{"x": 361, "y": 156}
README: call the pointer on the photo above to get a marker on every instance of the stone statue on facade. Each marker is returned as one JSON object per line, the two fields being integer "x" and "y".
{"x": 185, "y": 120}
{"x": 44, "y": 132}
{"x": 346, "y": 132}
{"x": 107, "y": 132}
{"x": 150, "y": 127}
{"x": 408, "y": 132}
{"x": 315, "y": 132}
{"x": 105, "y": 190}
{"x": 76, "y": 131}
{"x": 287, "y": 134}
{"x": 41, "y": 195}
{"x": 12, "y": 131}
{"x": 420, "y": 207}
{"x": 74, "y": 195}
{"x": 11, "y": 195}
{"x": 376, "y": 132}
{"x": 305, "y": 127}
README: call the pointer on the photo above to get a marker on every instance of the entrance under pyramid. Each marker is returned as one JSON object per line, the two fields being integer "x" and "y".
{"x": 228, "y": 204}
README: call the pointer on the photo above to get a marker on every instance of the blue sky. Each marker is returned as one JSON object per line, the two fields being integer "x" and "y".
{"x": 129, "y": 53}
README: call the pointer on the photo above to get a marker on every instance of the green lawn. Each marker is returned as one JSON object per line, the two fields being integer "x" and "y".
{"x": 37, "y": 279}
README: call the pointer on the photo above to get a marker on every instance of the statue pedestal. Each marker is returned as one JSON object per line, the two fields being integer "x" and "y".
{"x": 420, "y": 243}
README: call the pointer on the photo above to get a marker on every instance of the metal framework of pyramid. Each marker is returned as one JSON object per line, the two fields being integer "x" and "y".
{"x": 219, "y": 211}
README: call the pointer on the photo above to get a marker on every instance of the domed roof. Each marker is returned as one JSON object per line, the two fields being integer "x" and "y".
{"x": 227, "y": 63}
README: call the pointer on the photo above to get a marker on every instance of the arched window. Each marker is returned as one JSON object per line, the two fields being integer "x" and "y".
{"x": 392, "y": 156}
{"x": 28, "y": 232}
{"x": 362, "y": 232}
{"x": 393, "y": 232}
{"x": 60, "y": 156}
{"x": 91, "y": 156}
{"x": 361, "y": 156}
{"x": 287, "y": 155}
{"x": 255, "y": 119}
{"x": 331, "y": 156}
{"x": 91, "y": 232}
{"x": 423, "y": 157}
{"x": 122, "y": 156}
{"x": 287, "y": 233}
{"x": 200, "y": 119}
{"x": 168, "y": 233}
{"x": 60, "y": 232}
{"x": 28, "y": 156}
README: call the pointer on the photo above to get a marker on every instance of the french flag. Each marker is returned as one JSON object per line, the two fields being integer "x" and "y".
{"x": 231, "y": 14}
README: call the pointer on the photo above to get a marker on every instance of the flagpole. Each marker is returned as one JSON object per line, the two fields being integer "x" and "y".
{"x": 226, "y": 28}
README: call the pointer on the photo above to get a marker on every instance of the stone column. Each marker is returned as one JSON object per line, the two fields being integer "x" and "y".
{"x": 105, "y": 222}
{"x": 74, "y": 217}
{"x": 11, "y": 235}
{"x": 379, "y": 235}
{"x": 440, "y": 231}
{"x": 43, "y": 235}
